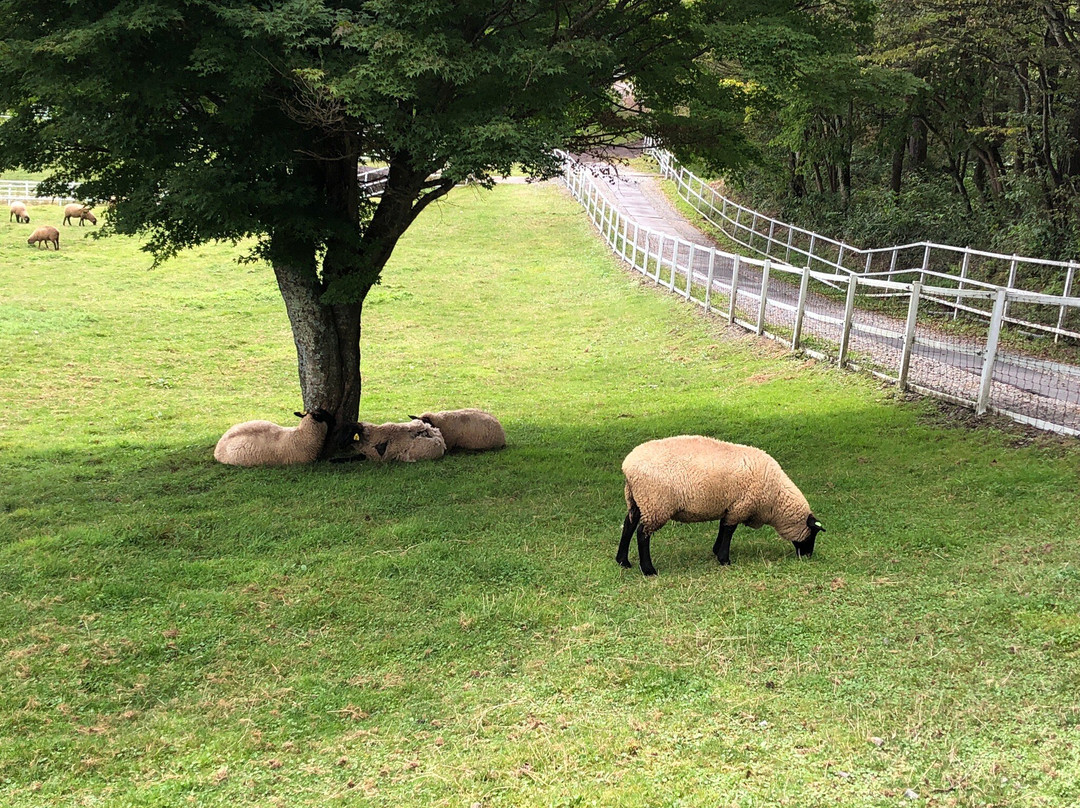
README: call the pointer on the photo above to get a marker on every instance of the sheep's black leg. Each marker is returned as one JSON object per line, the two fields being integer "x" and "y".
{"x": 722, "y": 548}
{"x": 629, "y": 525}
{"x": 644, "y": 558}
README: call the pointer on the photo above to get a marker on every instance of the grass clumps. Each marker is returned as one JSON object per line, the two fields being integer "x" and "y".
{"x": 458, "y": 632}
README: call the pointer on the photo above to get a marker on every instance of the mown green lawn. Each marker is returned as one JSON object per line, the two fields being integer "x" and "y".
{"x": 457, "y": 633}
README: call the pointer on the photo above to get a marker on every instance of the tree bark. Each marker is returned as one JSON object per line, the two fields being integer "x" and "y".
{"x": 325, "y": 313}
{"x": 896, "y": 177}
{"x": 327, "y": 341}
{"x": 917, "y": 145}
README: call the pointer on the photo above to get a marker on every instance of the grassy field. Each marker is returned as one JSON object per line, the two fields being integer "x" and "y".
{"x": 458, "y": 633}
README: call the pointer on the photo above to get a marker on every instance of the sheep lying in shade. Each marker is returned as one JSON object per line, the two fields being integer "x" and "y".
{"x": 262, "y": 443}
{"x": 469, "y": 429}
{"x": 80, "y": 212}
{"x": 409, "y": 442}
{"x": 691, "y": 478}
{"x": 18, "y": 210}
{"x": 45, "y": 235}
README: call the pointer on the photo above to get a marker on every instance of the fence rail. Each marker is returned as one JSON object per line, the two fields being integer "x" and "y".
{"x": 26, "y": 191}
{"x": 800, "y": 307}
{"x": 1033, "y": 280}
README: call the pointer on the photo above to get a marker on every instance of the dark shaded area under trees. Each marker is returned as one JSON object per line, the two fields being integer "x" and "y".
{"x": 954, "y": 121}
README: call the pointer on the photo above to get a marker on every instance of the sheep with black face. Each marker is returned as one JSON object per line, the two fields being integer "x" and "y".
{"x": 692, "y": 478}
{"x": 264, "y": 443}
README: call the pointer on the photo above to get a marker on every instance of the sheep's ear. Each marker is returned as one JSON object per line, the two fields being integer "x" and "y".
{"x": 298, "y": 414}
{"x": 381, "y": 448}
{"x": 814, "y": 524}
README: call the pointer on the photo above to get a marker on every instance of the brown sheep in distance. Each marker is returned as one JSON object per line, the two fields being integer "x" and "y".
{"x": 18, "y": 210}
{"x": 46, "y": 234}
{"x": 80, "y": 212}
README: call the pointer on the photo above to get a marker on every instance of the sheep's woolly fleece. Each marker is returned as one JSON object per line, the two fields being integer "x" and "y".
{"x": 469, "y": 429}
{"x": 264, "y": 443}
{"x": 693, "y": 478}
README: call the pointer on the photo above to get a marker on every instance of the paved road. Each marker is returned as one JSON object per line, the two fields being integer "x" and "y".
{"x": 941, "y": 362}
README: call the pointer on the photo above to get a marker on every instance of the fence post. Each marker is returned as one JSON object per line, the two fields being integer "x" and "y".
{"x": 764, "y": 297}
{"x": 787, "y": 253}
{"x": 769, "y": 244}
{"x": 810, "y": 252}
{"x": 804, "y": 285}
{"x": 1011, "y": 284}
{"x": 690, "y": 269}
{"x": 709, "y": 280}
{"x": 659, "y": 256}
{"x": 849, "y": 313}
{"x": 674, "y": 262}
{"x": 1067, "y": 292}
{"x": 753, "y": 230}
{"x": 633, "y": 261}
{"x": 892, "y": 263}
{"x": 925, "y": 264}
{"x": 869, "y": 259}
{"x": 909, "y": 334}
{"x": 963, "y": 275}
{"x": 983, "y": 402}
{"x": 734, "y": 288}
{"x": 840, "y": 256}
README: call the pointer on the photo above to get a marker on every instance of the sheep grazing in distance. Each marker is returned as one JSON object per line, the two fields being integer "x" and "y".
{"x": 692, "y": 478}
{"x": 18, "y": 210}
{"x": 407, "y": 443}
{"x": 45, "y": 235}
{"x": 262, "y": 443}
{"x": 80, "y": 212}
{"x": 469, "y": 429}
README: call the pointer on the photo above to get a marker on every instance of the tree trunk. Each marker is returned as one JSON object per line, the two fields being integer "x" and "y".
{"x": 796, "y": 181}
{"x": 917, "y": 143}
{"x": 325, "y": 312}
{"x": 896, "y": 177}
{"x": 327, "y": 341}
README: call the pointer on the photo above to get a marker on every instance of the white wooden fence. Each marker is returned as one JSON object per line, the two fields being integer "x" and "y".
{"x": 817, "y": 311}
{"x": 26, "y": 191}
{"x": 950, "y": 267}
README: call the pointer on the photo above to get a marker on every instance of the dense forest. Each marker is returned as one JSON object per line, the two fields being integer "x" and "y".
{"x": 902, "y": 120}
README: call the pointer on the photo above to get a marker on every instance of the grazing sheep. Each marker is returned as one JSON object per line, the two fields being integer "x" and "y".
{"x": 470, "y": 429}
{"x": 692, "y": 478}
{"x": 80, "y": 212}
{"x": 262, "y": 443}
{"x": 46, "y": 234}
{"x": 409, "y": 442}
{"x": 18, "y": 210}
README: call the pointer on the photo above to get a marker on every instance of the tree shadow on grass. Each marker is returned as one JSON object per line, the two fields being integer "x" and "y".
{"x": 557, "y": 489}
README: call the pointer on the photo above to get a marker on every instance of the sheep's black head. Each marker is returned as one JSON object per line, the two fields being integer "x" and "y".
{"x": 805, "y": 548}
{"x": 318, "y": 415}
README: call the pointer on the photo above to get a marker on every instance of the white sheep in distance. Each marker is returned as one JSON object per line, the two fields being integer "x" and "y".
{"x": 469, "y": 429}
{"x": 408, "y": 442}
{"x": 692, "y": 478}
{"x": 46, "y": 234}
{"x": 80, "y": 212}
{"x": 18, "y": 210}
{"x": 263, "y": 443}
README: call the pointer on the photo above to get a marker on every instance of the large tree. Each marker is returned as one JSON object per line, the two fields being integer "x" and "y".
{"x": 210, "y": 121}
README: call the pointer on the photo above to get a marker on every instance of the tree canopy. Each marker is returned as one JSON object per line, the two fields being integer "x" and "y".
{"x": 945, "y": 120}
{"x": 251, "y": 119}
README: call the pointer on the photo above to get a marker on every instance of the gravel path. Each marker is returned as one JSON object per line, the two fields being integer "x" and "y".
{"x": 942, "y": 364}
